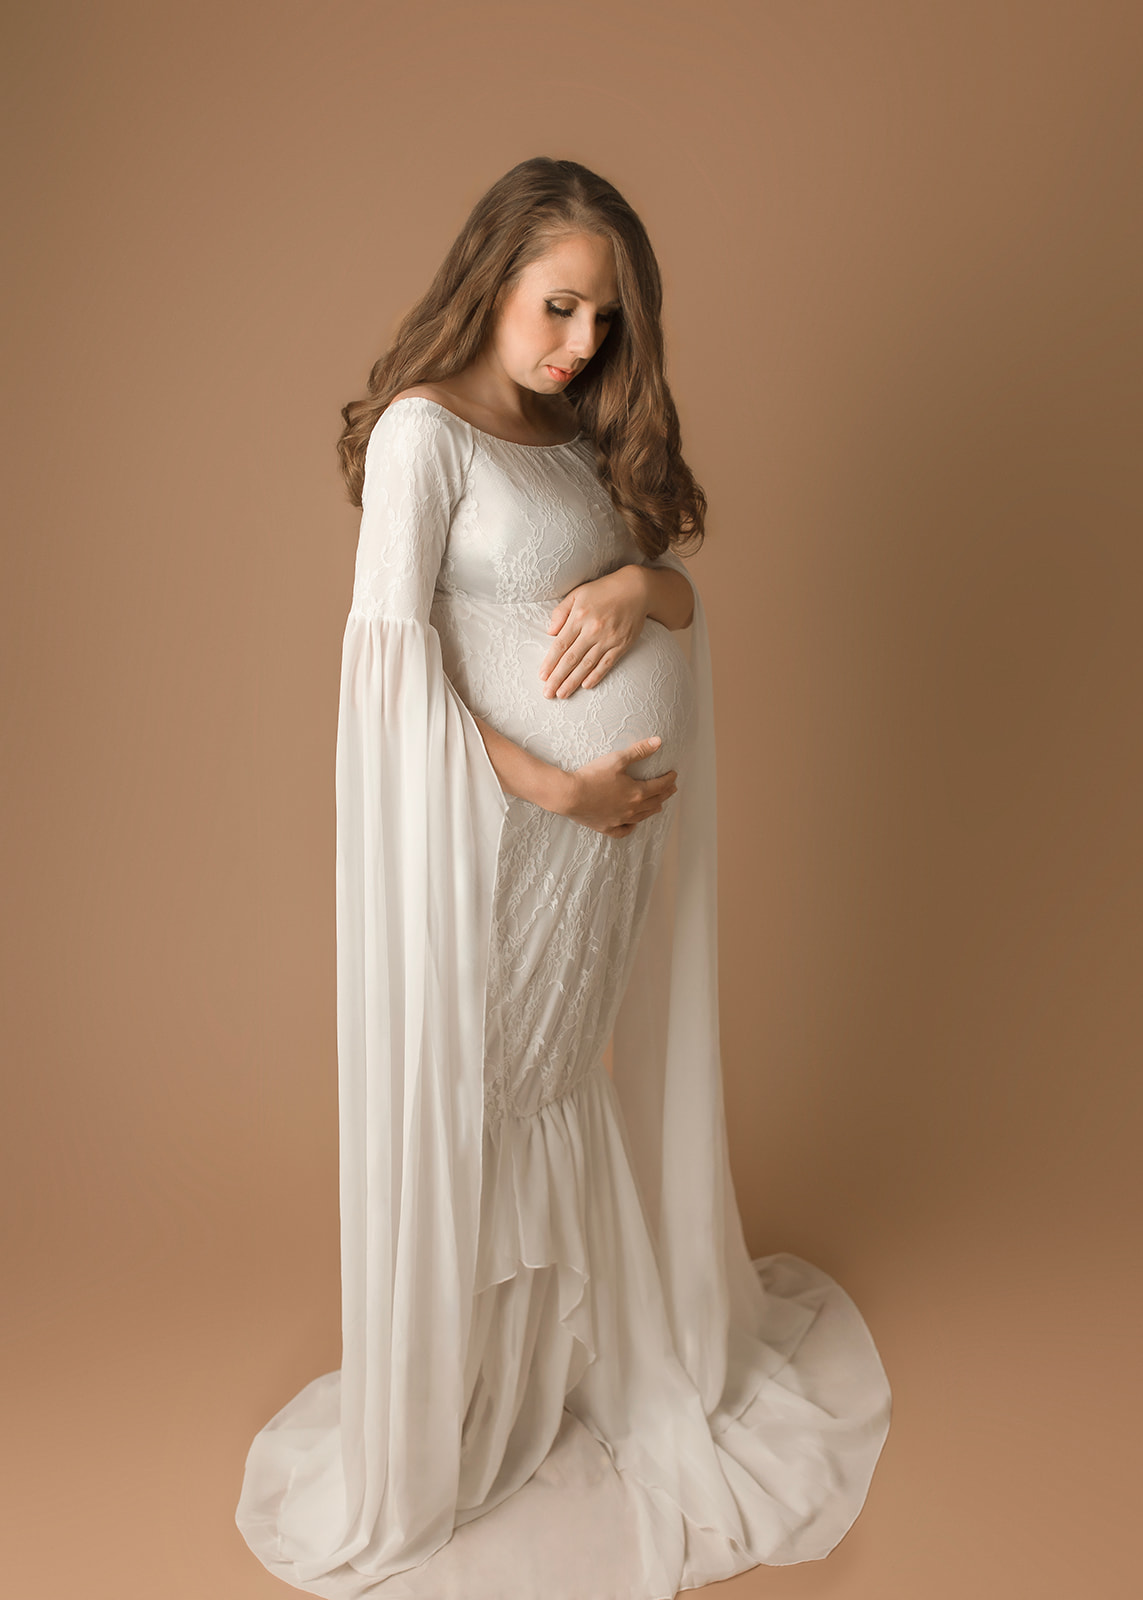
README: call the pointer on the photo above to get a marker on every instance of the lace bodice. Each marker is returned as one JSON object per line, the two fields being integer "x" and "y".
{"x": 483, "y": 537}
{"x": 465, "y": 514}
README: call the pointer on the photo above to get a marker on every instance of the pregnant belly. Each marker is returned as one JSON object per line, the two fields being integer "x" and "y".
{"x": 492, "y": 654}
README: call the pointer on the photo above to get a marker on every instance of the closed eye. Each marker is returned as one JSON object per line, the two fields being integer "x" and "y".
{"x": 559, "y": 311}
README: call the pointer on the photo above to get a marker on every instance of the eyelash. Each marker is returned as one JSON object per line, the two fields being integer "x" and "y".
{"x": 607, "y": 316}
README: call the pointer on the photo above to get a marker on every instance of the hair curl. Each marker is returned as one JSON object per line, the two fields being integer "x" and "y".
{"x": 621, "y": 396}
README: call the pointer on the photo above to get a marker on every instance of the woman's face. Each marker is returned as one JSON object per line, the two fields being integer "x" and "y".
{"x": 556, "y": 317}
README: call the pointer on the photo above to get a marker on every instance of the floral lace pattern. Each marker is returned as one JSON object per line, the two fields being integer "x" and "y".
{"x": 502, "y": 533}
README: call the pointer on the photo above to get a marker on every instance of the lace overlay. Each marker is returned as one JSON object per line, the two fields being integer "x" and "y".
{"x": 525, "y": 525}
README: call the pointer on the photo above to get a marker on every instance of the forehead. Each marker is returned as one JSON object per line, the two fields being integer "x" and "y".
{"x": 582, "y": 266}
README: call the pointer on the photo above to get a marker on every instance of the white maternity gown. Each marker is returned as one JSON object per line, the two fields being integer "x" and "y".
{"x": 562, "y": 1376}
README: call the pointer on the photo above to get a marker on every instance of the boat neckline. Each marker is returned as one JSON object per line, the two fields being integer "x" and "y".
{"x": 515, "y": 443}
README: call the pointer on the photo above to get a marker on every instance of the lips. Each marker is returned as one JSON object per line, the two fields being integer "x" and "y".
{"x": 560, "y": 372}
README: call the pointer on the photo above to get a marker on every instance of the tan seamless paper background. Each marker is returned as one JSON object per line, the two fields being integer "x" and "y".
{"x": 902, "y": 254}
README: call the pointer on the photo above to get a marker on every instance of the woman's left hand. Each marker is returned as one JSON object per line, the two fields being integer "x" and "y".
{"x": 594, "y": 624}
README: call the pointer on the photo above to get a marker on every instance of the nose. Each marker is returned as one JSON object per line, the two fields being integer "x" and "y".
{"x": 584, "y": 339}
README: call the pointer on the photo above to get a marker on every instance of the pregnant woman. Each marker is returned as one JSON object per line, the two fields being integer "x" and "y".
{"x": 562, "y": 1375}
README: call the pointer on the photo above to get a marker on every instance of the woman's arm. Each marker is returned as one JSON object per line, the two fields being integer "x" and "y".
{"x": 602, "y": 794}
{"x": 669, "y": 598}
{"x": 525, "y": 775}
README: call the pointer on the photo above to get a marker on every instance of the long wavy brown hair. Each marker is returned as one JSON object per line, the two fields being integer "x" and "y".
{"x": 621, "y": 396}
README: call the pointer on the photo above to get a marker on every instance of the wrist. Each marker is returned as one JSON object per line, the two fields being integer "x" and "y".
{"x": 642, "y": 582}
{"x": 555, "y": 789}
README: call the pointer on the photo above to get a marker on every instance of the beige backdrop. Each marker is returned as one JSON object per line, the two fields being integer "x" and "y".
{"x": 902, "y": 252}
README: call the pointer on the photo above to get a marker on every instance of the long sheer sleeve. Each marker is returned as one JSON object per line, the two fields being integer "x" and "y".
{"x": 419, "y": 811}
{"x": 775, "y": 1347}
{"x": 667, "y": 1064}
{"x": 419, "y": 814}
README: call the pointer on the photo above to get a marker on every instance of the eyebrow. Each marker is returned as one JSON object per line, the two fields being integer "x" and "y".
{"x": 611, "y": 304}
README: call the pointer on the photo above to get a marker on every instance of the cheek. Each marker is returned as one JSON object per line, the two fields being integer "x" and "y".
{"x": 529, "y": 338}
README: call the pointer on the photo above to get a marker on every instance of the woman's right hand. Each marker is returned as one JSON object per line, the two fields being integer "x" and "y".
{"x": 604, "y": 796}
